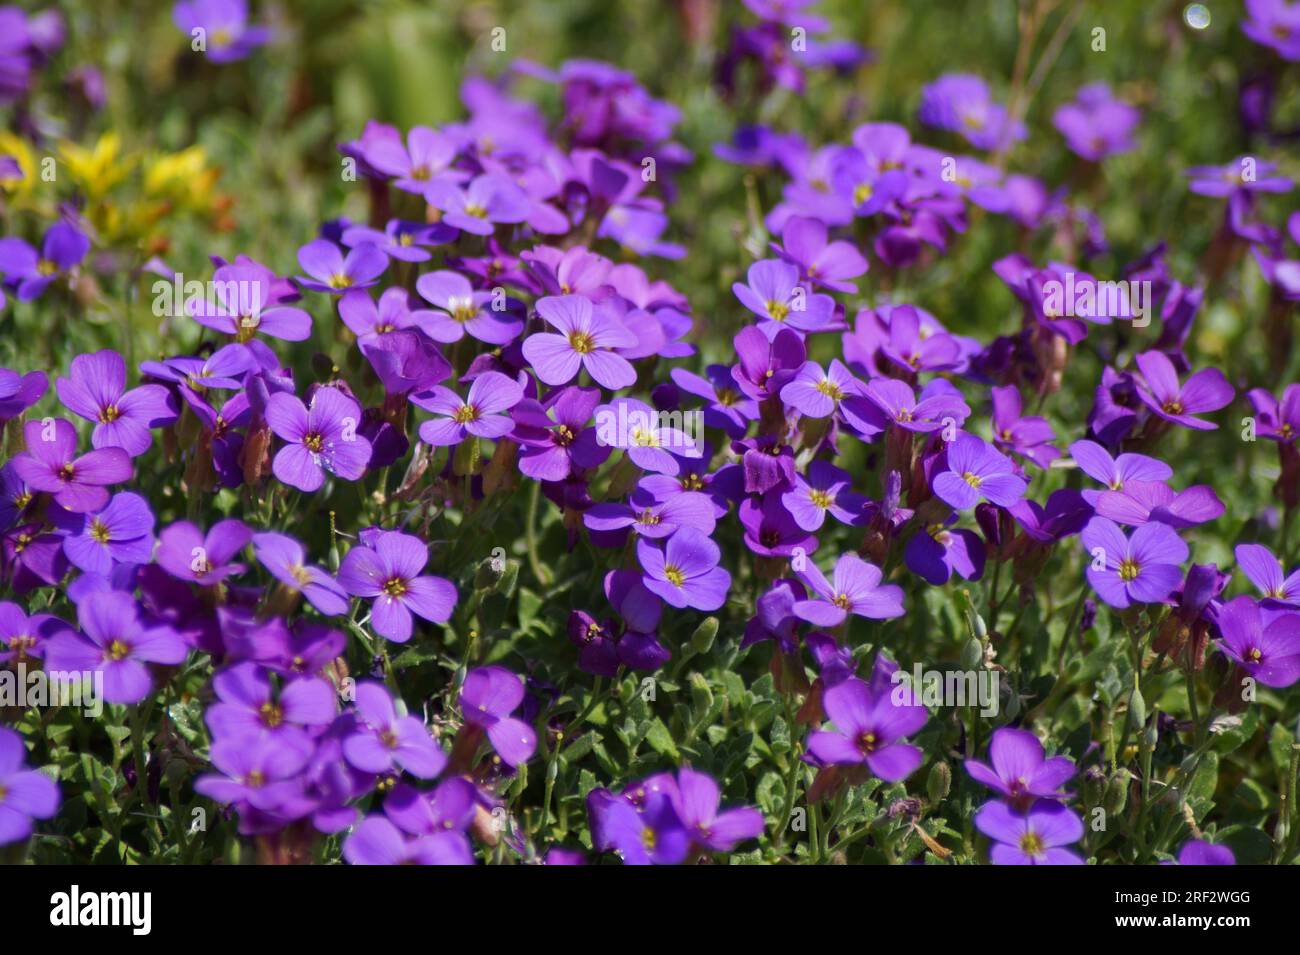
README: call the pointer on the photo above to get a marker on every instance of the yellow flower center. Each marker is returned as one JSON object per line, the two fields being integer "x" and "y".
{"x": 582, "y": 342}
{"x": 99, "y": 531}
{"x": 1128, "y": 569}
{"x": 117, "y": 650}
{"x": 395, "y": 586}
{"x": 777, "y": 311}
{"x": 821, "y": 498}
{"x": 862, "y": 193}
{"x": 971, "y": 478}
{"x": 314, "y": 443}
{"x": 830, "y": 389}
{"x": 465, "y": 414}
{"x": 475, "y": 210}
{"x": 673, "y": 575}
{"x": 340, "y": 281}
{"x": 1031, "y": 844}
{"x": 109, "y": 414}
{"x": 272, "y": 715}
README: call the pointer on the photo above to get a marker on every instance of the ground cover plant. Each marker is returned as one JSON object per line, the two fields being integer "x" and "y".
{"x": 706, "y": 432}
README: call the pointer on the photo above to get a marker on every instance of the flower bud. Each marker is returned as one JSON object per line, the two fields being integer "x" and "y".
{"x": 1116, "y": 793}
{"x": 972, "y": 654}
{"x": 702, "y": 639}
{"x": 939, "y": 782}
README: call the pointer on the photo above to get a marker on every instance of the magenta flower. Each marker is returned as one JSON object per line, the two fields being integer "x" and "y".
{"x": 481, "y": 414}
{"x": 458, "y": 311}
{"x": 96, "y": 391}
{"x": 330, "y": 272}
{"x": 869, "y": 726}
{"x": 586, "y": 340}
{"x": 1034, "y": 837}
{"x": 685, "y": 573}
{"x": 1018, "y": 771}
{"x": 25, "y": 794}
{"x": 321, "y": 439}
{"x": 855, "y": 588}
{"x": 774, "y": 294}
{"x": 1277, "y": 419}
{"x": 386, "y": 566}
{"x": 1264, "y": 643}
{"x": 51, "y": 464}
{"x": 487, "y": 699}
{"x": 285, "y": 558}
{"x": 1141, "y": 569}
{"x": 115, "y": 641}
{"x": 976, "y": 470}
{"x": 766, "y": 365}
{"x": 386, "y": 742}
{"x": 1206, "y": 390}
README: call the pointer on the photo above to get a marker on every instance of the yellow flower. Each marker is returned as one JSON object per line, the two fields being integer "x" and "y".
{"x": 96, "y": 171}
{"x": 183, "y": 178}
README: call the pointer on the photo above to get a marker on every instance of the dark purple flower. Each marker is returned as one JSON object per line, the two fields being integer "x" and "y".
{"x": 697, "y": 801}
{"x": 1019, "y": 770}
{"x": 766, "y": 365}
{"x": 1264, "y": 643}
{"x": 31, "y": 273}
{"x": 1028, "y": 436}
{"x": 937, "y": 552}
{"x": 1198, "y": 851}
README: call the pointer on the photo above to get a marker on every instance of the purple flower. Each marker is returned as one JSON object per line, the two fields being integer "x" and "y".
{"x": 1275, "y": 24}
{"x": 285, "y": 558}
{"x": 376, "y": 841}
{"x": 1198, "y": 851}
{"x": 937, "y": 552}
{"x": 960, "y": 103}
{"x": 117, "y": 643}
{"x": 330, "y": 272}
{"x": 697, "y": 799}
{"x": 1265, "y": 571}
{"x": 258, "y": 771}
{"x": 1144, "y": 501}
{"x": 1141, "y": 569}
{"x": 555, "y": 441}
{"x": 460, "y": 311}
{"x": 728, "y": 409}
{"x": 1096, "y": 125}
{"x": 1206, "y": 390}
{"x": 869, "y": 724}
{"x": 1245, "y": 174}
{"x": 817, "y": 393}
{"x": 247, "y": 705}
{"x": 1019, "y": 771}
{"x": 976, "y": 470}
{"x": 25, "y": 794}
{"x": 774, "y": 294}
{"x": 651, "y": 518}
{"x": 487, "y": 699}
{"x": 62, "y": 250}
{"x": 481, "y": 414}
{"x": 855, "y": 588}
{"x": 489, "y": 199}
{"x": 50, "y": 464}
{"x": 386, "y": 566}
{"x": 826, "y": 490}
{"x": 222, "y": 369}
{"x": 24, "y": 637}
{"x": 1028, "y": 436}
{"x": 19, "y": 392}
{"x": 766, "y": 364}
{"x": 369, "y": 320}
{"x": 1277, "y": 420}
{"x": 244, "y": 291}
{"x": 386, "y": 743}
{"x": 1264, "y": 643}
{"x": 401, "y": 240}
{"x": 821, "y": 262}
{"x": 889, "y": 402}
{"x": 1034, "y": 837}
{"x": 640, "y": 430}
{"x": 187, "y": 554}
{"x": 586, "y": 341}
{"x": 320, "y": 439}
{"x": 685, "y": 573}
{"x": 96, "y": 390}
{"x": 223, "y": 27}
{"x": 913, "y": 347}
{"x": 771, "y": 530}
{"x": 428, "y": 155}
{"x": 120, "y": 533}
{"x": 651, "y": 835}
{"x": 1096, "y": 462}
